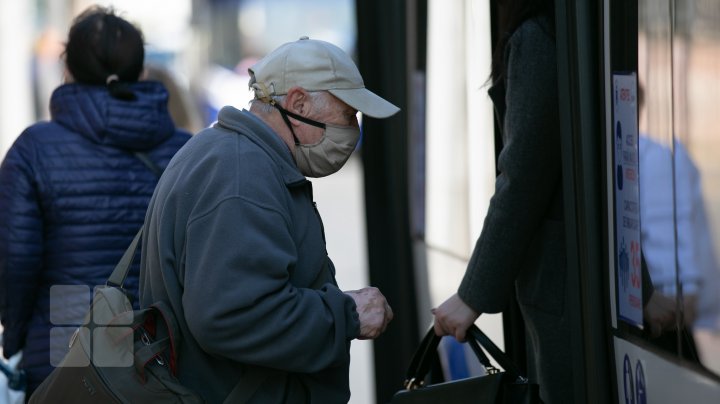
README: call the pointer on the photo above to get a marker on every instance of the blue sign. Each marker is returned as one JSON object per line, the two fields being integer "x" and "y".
{"x": 628, "y": 272}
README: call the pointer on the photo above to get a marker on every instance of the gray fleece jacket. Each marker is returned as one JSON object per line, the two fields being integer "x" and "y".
{"x": 234, "y": 243}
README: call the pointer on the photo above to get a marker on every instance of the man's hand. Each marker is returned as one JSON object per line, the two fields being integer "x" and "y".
{"x": 659, "y": 314}
{"x": 454, "y": 317}
{"x": 374, "y": 311}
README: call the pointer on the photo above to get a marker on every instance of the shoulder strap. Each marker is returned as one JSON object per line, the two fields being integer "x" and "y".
{"x": 117, "y": 277}
{"x": 149, "y": 163}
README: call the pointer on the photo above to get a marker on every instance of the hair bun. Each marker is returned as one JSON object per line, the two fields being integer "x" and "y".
{"x": 119, "y": 89}
{"x": 111, "y": 78}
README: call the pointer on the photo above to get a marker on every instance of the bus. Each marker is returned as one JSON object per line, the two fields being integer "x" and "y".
{"x": 633, "y": 76}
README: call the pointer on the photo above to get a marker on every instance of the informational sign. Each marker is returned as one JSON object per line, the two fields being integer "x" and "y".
{"x": 645, "y": 376}
{"x": 627, "y": 199}
{"x": 633, "y": 385}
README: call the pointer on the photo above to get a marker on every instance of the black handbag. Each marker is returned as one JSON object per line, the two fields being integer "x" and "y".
{"x": 505, "y": 386}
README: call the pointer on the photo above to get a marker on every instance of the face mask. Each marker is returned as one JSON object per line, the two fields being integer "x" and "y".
{"x": 329, "y": 154}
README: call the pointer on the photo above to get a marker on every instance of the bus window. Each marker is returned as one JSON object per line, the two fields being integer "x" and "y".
{"x": 678, "y": 49}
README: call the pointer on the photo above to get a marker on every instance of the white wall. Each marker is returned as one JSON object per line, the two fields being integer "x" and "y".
{"x": 16, "y": 38}
{"x": 460, "y": 143}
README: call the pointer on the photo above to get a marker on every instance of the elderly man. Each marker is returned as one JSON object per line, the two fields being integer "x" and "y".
{"x": 236, "y": 246}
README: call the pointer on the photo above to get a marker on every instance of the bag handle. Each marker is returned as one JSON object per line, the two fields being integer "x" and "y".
{"x": 167, "y": 327}
{"x": 500, "y": 357}
{"x": 420, "y": 363}
{"x": 422, "y": 359}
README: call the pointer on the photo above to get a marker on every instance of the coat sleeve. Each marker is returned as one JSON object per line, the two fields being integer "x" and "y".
{"x": 245, "y": 307}
{"x": 530, "y": 173}
{"x": 21, "y": 243}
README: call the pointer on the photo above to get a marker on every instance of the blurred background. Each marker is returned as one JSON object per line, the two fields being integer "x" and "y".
{"x": 679, "y": 76}
{"x": 203, "y": 46}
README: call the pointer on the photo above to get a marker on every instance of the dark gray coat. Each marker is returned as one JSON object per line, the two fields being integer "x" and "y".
{"x": 522, "y": 243}
{"x": 235, "y": 245}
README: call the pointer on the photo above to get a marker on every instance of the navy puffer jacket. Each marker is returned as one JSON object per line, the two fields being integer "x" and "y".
{"x": 72, "y": 196}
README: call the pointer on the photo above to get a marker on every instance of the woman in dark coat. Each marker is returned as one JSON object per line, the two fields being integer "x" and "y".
{"x": 74, "y": 191}
{"x": 522, "y": 244}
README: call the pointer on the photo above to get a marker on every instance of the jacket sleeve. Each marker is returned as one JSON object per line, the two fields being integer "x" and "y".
{"x": 21, "y": 244}
{"x": 530, "y": 172}
{"x": 246, "y": 308}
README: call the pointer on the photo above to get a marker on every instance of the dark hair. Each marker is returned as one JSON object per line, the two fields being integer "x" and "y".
{"x": 512, "y": 13}
{"x": 104, "y": 49}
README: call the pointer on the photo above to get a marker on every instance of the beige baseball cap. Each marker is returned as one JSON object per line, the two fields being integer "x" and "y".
{"x": 316, "y": 66}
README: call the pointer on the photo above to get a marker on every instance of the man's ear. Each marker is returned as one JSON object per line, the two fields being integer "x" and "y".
{"x": 296, "y": 101}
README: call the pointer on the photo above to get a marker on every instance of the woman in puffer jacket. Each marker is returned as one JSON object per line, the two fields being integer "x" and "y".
{"x": 73, "y": 191}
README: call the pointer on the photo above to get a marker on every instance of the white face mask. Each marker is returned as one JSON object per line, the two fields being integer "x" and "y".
{"x": 329, "y": 154}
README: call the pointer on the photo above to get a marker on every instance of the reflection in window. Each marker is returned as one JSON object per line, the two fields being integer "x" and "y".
{"x": 678, "y": 59}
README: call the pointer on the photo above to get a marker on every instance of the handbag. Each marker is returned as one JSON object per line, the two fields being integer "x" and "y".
{"x": 119, "y": 355}
{"x": 506, "y": 386}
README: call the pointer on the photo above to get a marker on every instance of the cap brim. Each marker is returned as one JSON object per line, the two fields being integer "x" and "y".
{"x": 366, "y": 101}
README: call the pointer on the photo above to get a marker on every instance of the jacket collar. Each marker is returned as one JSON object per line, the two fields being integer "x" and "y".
{"x": 247, "y": 124}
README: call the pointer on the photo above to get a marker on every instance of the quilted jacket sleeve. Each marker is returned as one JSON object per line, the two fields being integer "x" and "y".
{"x": 21, "y": 243}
